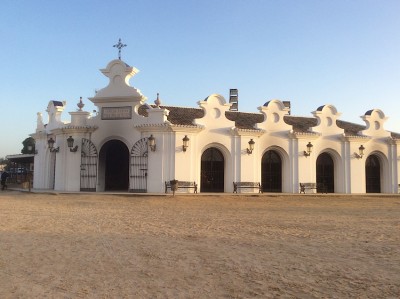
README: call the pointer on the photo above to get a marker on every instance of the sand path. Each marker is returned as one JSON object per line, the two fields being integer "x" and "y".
{"x": 105, "y": 246}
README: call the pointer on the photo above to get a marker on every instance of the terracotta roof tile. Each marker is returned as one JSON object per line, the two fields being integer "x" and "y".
{"x": 350, "y": 128}
{"x": 186, "y": 116}
{"x": 177, "y": 115}
{"x": 183, "y": 115}
{"x": 395, "y": 135}
{"x": 244, "y": 120}
{"x": 299, "y": 123}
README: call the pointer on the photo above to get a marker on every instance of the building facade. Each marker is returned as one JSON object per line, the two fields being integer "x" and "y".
{"x": 129, "y": 145}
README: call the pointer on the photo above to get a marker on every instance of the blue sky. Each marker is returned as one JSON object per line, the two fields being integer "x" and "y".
{"x": 345, "y": 53}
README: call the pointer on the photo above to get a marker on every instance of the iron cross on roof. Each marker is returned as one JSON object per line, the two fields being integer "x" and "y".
{"x": 119, "y": 46}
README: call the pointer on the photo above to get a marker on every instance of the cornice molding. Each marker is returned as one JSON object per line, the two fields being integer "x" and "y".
{"x": 355, "y": 138}
{"x": 304, "y": 135}
{"x": 247, "y": 132}
{"x": 73, "y": 129}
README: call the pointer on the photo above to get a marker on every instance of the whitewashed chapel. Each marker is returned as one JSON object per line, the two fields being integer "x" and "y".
{"x": 129, "y": 145}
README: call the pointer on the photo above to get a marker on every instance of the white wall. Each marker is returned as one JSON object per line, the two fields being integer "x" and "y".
{"x": 169, "y": 161}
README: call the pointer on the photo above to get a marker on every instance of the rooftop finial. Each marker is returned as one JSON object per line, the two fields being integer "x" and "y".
{"x": 80, "y": 104}
{"x": 119, "y": 46}
{"x": 158, "y": 101}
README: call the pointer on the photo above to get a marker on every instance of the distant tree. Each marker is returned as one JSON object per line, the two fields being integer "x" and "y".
{"x": 4, "y": 164}
{"x": 29, "y": 146}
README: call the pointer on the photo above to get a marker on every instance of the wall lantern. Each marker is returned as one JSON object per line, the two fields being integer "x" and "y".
{"x": 70, "y": 142}
{"x": 185, "y": 144}
{"x": 152, "y": 143}
{"x": 51, "y": 146}
{"x": 251, "y": 147}
{"x": 360, "y": 152}
{"x": 309, "y": 149}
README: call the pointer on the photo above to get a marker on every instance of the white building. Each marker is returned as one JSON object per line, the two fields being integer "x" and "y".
{"x": 111, "y": 149}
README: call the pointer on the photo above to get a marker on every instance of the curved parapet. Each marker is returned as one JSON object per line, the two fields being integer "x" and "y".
{"x": 118, "y": 88}
{"x": 326, "y": 116}
{"x": 274, "y": 112}
{"x": 214, "y": 107}
{"x": 374, "y": 121}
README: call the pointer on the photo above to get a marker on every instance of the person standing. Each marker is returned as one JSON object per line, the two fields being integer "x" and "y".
{"x": 4, "y": 177}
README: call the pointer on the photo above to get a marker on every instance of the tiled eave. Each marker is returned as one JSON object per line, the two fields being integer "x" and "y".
{"x": 19, "y": 156}
{"x": 395, "y": 135}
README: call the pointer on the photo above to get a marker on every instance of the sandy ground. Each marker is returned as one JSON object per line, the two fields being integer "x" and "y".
{"x": 115, "y": 246}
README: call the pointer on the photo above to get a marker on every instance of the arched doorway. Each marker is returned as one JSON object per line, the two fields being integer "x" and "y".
{"x": 373, "y": 174}
{"x": 325, "y": 174}
{"x": 212, "y": 171}
{"x": 115, "y": 157}
{"x": 271, "y": 172}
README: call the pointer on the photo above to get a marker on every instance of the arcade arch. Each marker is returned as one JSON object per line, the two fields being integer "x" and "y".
{"x": 271, "y": 171}
{"x": 325, "y": 173}
{"x": 212, "y": 178}
{"x": 373, "y": 174}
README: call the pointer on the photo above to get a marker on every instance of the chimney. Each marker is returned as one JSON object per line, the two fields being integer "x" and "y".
{"x": 287, "y": 105}
{"x": 234, "y": 99}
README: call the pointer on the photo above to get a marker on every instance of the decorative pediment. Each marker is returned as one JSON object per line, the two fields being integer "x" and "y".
{"x": 214, "y": 108}
{"x": 375, "y": 120}
{"x": 118, "y": 89}
{"x": 274, "y": 112}
{"x": 326, "y": 116}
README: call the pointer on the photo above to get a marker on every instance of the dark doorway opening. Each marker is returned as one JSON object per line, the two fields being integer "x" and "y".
{"x": 116, "y": 166}
{"x": 325, "y": 174}
{"x": 373, "y": 174}
{"x": 271, "y": 172}
{"x": 212, "y": 171}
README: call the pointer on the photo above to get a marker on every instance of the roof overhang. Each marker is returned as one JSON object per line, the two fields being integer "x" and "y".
{"x": 21, "y": 158}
